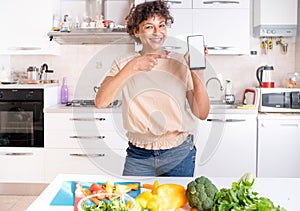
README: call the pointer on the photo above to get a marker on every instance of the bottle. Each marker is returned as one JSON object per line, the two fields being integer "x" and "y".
{"x": 78, "y": 195}
{"x": 64, "y": 92}
{"x": 229, "y": 96}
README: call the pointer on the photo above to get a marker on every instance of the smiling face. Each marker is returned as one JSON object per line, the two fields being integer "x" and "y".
{"x": 152, "y": 33}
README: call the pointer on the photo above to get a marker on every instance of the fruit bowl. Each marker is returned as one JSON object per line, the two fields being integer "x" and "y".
{"x": 107, "y": 201}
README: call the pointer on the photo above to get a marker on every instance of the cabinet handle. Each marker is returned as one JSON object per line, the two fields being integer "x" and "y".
{"x": 175, "y": 1}
{"x": 88, "y": 119}
{"x": 86, "y": 155}
{"x": 221, "y": 2}
{"x": 289, "y": 125}
{"x": 19, "y": 153}
{"x": 225, "y": 120}
{"x": 88, "y": 137}
{"x": 219, "y": 48}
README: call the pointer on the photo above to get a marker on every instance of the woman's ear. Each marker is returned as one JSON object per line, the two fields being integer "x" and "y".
{"x": 136, "y": 33}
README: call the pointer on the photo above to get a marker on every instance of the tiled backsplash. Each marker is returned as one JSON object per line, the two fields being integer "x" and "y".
{"x": 85, "y": 66}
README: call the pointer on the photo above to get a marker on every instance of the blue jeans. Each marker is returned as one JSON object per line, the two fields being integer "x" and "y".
{"x": 175, "y": 162}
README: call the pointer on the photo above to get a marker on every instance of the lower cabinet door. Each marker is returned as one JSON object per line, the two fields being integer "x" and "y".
{"x": 87, "y": 161}
{"x": 22, "y": 165}
{"x": 226, "y": 145}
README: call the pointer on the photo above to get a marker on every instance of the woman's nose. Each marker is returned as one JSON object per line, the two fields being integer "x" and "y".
{"x": 156, "y": 30}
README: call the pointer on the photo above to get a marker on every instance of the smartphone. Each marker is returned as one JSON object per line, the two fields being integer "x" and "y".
{"x": 196, "y": 48}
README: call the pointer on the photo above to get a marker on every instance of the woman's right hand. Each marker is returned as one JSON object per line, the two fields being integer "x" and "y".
{"x": 146, "y": 62}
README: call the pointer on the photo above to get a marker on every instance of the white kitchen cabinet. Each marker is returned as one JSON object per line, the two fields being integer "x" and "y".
{"x": 25, "y": 25}
{"x": 215, "y": 4}
{"x": 226, "y": 145}
{"x": 88, "y": 143}
{"x": 22, "y": 164}
{"x": 226, "y": 29}
{"x": 278, "y": 145}
{"x": 179, "y": 30}
{"x": 172, "y": 3}
{"x": 183, "y": 4}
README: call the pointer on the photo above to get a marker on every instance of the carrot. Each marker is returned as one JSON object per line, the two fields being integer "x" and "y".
{"x": 148, "y": 186}
{"x": 87, "y": 192}
{"x": 133, "y": 186}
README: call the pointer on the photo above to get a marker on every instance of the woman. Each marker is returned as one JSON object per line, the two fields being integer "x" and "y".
{"x": 155, "y": 85}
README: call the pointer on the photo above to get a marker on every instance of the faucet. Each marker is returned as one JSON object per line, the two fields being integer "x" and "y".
{"x": 221, "y": 87}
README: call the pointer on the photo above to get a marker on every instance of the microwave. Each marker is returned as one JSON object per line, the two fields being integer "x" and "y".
{"x": 279, "y": 100}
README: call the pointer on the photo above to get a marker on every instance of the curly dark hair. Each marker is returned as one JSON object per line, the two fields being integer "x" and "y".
{"x": 142, "y": 12}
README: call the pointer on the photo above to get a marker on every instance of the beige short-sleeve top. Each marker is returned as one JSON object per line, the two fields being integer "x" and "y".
{"x": 154, "y": 105}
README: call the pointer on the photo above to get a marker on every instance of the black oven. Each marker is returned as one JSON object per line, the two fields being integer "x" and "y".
{"x": 21, "y": 118}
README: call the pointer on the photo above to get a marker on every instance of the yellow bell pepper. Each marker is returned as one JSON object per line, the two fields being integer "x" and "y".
{"x": 162, "y": 197}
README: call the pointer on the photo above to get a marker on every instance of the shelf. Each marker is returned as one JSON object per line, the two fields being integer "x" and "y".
{"x": 90, "y": 36}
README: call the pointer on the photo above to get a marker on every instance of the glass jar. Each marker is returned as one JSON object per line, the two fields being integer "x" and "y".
{"x": 292, "y": 80}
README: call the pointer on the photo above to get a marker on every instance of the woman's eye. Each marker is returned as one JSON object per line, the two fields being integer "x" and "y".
{"x": 148, "y": 27}
{"x": 163, "y": 25}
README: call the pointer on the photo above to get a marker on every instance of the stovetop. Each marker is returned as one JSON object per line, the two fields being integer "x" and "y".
{"x": 91, "y": 103}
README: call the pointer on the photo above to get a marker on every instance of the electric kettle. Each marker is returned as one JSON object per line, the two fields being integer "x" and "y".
{"x": 264, "y": 76}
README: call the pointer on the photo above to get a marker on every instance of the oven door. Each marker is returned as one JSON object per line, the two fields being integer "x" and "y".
{"x": 21, "y": 124}
{"x": 276, "y": 100}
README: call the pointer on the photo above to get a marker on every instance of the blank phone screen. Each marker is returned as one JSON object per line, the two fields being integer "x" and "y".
{"x": 196, "y": 51}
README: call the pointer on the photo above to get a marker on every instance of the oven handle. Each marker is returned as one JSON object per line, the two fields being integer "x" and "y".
{"x": 19, "y": 153}
{"x": 88, "y": 137}
{"x": 86, "y": 155}
{"x": 88, "y": 119}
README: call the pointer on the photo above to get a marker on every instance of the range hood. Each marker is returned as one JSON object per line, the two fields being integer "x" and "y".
{"x": 275, "y": 18}
{"x": 90, "y": 36}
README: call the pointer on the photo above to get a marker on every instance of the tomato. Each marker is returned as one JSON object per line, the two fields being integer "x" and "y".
{"x": 96, "y": 188}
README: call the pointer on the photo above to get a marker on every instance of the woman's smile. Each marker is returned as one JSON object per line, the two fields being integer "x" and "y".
{"x": 152, "y": 33}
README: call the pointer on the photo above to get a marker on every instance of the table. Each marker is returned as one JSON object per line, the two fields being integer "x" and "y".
{"x": 282, "y": 191}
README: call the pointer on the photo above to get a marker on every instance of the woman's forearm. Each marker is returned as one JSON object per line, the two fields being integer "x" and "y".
{"x": 110, "y": 86}
{"x": 200, "y": 100}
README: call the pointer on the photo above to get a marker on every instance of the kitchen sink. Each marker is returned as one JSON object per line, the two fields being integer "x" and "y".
{"x": 221, "y": 106}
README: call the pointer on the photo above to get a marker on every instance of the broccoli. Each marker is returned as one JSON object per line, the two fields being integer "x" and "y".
{"x": 200, "y": 193}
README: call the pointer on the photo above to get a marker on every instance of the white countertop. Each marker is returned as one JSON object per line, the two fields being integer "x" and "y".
{"x": 27, "y": 86}
{"x": 282, "y": 191}
{"x": 280, "y": 116}
{"x": 60, "y": 108}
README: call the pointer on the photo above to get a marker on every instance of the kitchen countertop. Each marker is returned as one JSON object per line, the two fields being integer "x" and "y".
{"x": 27, "y": 86}
{"x": 282, "y": 191}
{"x": 215, "y": 109}
{"x": 62, "y": 108}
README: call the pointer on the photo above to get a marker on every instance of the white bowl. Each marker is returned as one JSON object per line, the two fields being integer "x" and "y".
{"x": 124, "y": 198}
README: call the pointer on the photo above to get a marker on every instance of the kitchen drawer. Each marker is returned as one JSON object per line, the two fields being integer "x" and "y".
{"x": 22, "y": 164}
{"x": 75, "y": 161}
{"x": 83, "y": 121}
{"x": 84, "y": 139}
{"x": 221, "y": 4}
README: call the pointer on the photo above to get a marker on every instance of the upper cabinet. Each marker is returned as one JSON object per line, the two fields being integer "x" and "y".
{"x": 172, "y": 3}
{"x": 213, "y": 4}
{"x": 225, "y": 25}
{"x": 181, "y": 4}
{"x": 25, "y": 25}
{"x": 179, "y": 30}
